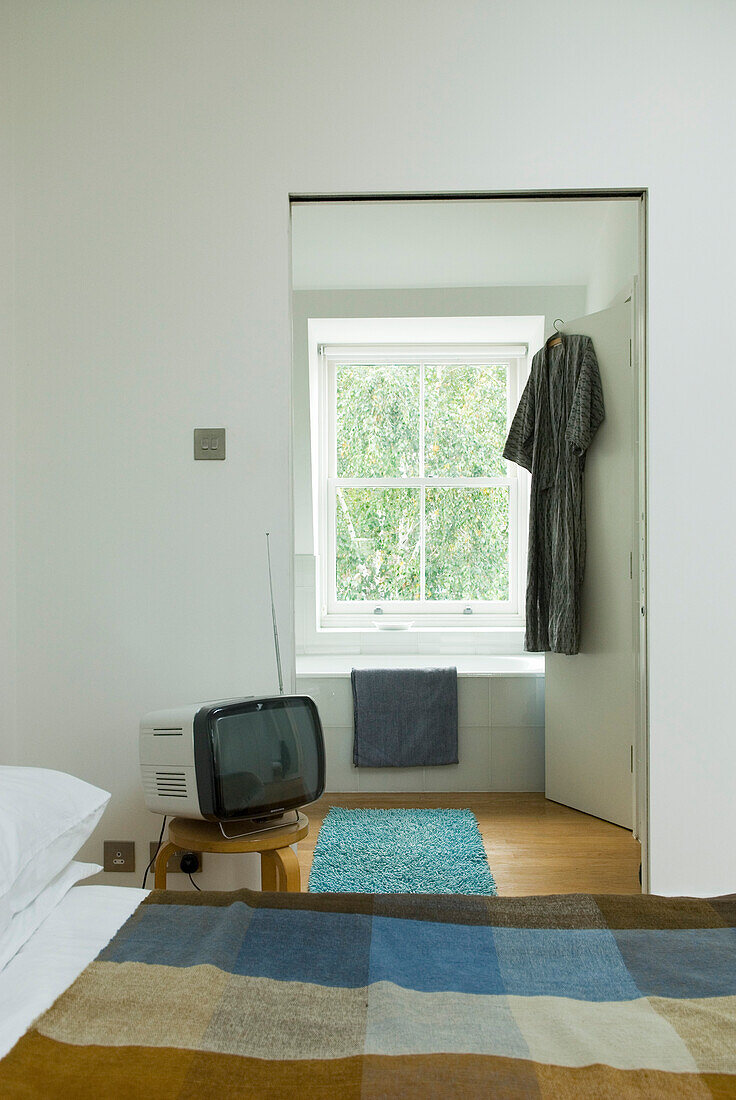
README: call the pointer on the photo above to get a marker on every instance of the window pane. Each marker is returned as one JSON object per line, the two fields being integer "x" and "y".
{"x": 377, "y": 541}
{"x": 467, "y": 554}
{"x": 465, "y": 420}
{"x": 377, "y": 423}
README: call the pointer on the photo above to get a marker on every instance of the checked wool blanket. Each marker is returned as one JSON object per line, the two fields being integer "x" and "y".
{"x": 413, "y": 996}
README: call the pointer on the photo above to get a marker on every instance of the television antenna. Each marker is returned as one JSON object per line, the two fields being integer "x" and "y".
{"x": 273, "y": 616}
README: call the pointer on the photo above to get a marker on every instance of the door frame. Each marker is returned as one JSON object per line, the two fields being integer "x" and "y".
{"x": 640, "y": 353}
{"x": 640, "y": 364}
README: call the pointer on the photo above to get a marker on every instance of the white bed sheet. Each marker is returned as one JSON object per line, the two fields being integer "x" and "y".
{"x": 83, "y": 922}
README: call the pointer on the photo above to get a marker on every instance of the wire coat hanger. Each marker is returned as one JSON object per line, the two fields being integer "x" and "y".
{"x": 556, "y": 338}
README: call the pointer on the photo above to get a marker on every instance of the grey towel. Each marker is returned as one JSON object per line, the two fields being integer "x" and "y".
{"x": 404, "y": 717}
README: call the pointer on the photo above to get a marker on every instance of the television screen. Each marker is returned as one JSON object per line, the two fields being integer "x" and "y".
{"x": 267, "y": 755}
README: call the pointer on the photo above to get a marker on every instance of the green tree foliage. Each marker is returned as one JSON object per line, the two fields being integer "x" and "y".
{"x": 467, "y": 544}
{"x": 378, "y": 551}
{"x": 465, "y": 421}
{"x": 377, "y": 421}
{"x": 378, "y": 530}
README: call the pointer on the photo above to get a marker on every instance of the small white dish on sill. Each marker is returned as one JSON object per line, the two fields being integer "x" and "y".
{"x": 394, "y": 625}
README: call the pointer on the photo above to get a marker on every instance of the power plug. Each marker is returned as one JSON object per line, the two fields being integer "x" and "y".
{"x": 174, "y": 862}
{"x": 189, "y": 862}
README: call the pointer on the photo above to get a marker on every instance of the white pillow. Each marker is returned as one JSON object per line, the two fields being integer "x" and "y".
{"x": 24, "y": 923}
{"x": 45, "y": 818}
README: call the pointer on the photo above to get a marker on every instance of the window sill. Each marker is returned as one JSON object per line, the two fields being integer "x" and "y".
{"x": 333, "y": 664}
{"x": 418, "y": 627}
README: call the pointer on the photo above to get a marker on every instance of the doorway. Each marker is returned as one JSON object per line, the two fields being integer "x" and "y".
{"x": 417, "y": 274}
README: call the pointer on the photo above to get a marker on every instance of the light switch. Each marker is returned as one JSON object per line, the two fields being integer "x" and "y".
{"x": 209, "y": 443}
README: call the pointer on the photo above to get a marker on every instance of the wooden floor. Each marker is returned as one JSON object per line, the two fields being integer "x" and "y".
{"x": 533, "y": 846}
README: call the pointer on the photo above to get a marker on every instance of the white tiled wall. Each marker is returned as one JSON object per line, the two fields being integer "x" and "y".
{"x": 500, "y": 738}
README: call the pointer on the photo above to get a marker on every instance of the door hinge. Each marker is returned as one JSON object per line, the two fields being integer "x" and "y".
{"x": 631, "y": 762}
{"x": 631, "y": 565}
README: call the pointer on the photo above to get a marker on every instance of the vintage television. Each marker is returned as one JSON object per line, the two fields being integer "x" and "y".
{"x": 253, "y": 758}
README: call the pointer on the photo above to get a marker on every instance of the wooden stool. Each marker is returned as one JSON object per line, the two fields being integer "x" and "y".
{"x": 279, "y": 865}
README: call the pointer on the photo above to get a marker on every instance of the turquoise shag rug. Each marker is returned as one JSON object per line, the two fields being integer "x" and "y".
{"x": 400, "y": 852}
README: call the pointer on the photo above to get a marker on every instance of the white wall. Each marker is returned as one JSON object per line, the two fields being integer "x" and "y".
{"x": 359, "y": 245}
{"x": 156, "y": 145}
{"x": 615, "y": 260}
{"x": 153, "y": 293}
{"x": 7, "y": 415}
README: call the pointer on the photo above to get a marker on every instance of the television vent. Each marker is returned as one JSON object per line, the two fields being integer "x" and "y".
{"x": 168, "y": 731}
{"x": 171, "y": 784}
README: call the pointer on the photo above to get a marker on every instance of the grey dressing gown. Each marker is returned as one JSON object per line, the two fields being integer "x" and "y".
{"x": 559, "y": 413}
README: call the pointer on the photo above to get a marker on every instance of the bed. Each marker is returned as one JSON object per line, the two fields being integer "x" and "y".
{"x": 84, "y": 921}
{"x": 360, "y": 996}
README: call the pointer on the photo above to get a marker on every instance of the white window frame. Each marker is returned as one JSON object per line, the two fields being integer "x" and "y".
{"x": 472, "y": 614}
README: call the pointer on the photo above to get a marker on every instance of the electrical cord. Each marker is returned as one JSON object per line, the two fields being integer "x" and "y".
{"x": 194, "y": 883}
{"x": 153, "y": 857}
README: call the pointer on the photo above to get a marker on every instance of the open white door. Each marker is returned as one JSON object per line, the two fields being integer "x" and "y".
{"x": 592, "y": 697}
